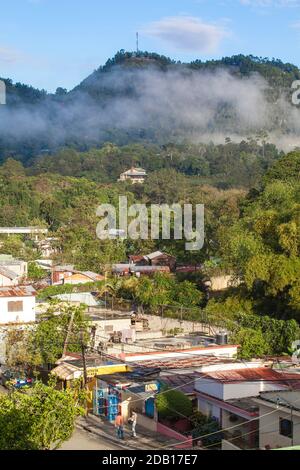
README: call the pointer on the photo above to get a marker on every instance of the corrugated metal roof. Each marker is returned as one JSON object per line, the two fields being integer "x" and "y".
{"x": 65, "y": 371}
{"x": 185, "y": 363}
{"x": 18, "y": 291}
{"x": 183, "y": 382}
{"x": 246, "y": 375}
{"x": 8, "y": 273}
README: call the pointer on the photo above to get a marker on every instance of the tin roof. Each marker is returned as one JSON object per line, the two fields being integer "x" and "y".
{"x": 8, "y": 273}
{"x": 250, "y": 374}
{"x": 183, "y": 382}
{"x": 185, "y": 363}
{"x": 18, "y": 291}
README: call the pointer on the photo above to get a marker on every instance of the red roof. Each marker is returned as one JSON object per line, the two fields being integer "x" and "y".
{"x": 248, "y": 374}
{"x": 136, "y": 258}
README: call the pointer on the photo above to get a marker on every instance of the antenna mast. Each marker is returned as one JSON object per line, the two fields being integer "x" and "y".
{"x": 137, "y": 43}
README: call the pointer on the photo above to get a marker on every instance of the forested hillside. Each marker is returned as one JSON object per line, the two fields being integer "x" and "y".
{"x": 152, "y": 99}
{"x": 251, "y": 234}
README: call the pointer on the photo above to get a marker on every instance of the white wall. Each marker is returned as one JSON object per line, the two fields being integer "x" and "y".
{"x": 226, "y": 445}
{"x": 117, "y": 324}
{"x": 218, "y": 351}
{"x": 27, "y": 315}
{"x": 234, "y": 390}
{"x": 6, "y": 282}
{"x": 269, "y": 428}
{"x": 209, "y": 409}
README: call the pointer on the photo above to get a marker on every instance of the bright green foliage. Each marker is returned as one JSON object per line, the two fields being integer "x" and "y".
{"x": 47, "y": 340}
{"x": 173, "y": 404}
{"x": 161, "y": 289}
{"x": 252, "y": 343}
{"x": 207, "y": 427}
{"x": 263, "y": 247}
{"x": 40, "y": 419}
{"x": 36, "y": 273}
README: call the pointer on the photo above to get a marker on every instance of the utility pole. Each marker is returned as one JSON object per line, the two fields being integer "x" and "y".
{"x": 83, "y": 359}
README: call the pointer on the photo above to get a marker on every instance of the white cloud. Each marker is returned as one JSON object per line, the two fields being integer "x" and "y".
{"x": 187, "y": 33}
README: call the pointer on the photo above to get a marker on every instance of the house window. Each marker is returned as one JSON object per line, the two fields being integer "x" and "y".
{"x": 286, "y": 428}
{"x": 16, "y": 306}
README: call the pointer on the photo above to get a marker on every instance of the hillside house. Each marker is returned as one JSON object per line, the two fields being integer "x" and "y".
{"x": 123, "y": 269}
{"x": 134, "y": 175}
{"x": 157, "y": 258}
{"x": 17, "y": 304}
{"x": 12, "y": 271}
{"x": 66, "y": 274}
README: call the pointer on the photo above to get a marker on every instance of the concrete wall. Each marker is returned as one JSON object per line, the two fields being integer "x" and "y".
{"x": 209, "y": 409}
{"x": 116, "y": 325}
{"x": 6, "y": 282}
{"x": 157, "y": 322}
{"x": 226, "y": 445}
{"x": 25, "y": 316}
{"x": 269, "y": 428}
{"x": 186, "y": 441}
{"x": 147, "y": 423}
{"x": 234, "y": 390}
{"x": 217, "y": 351}
{"x": 149, "y": 334}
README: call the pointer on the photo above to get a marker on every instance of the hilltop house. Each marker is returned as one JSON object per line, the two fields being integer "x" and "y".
{"x": 135, "y": 175}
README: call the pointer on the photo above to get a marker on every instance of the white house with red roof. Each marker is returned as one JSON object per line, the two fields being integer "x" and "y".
{"x": 227, "y": 395}
{"x": 17, "y": 305}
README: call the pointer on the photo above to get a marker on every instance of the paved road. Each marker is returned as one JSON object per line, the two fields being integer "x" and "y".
{"x": 84, "y": 440}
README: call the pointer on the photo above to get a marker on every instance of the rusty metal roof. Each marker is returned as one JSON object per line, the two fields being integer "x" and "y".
{"x": 247, "y": 375}
{"x": 18, "y": 291}
{"x": 184, "y": 363}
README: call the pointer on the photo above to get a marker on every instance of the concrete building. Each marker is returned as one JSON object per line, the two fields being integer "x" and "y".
{"x": 279, "y": 423}
{"x": 227, "y": 394}
{"x": 67, "y": 274}
{"x": 12, "y": 271}
{"x": 17, "y": 305}
{"x": 226, "y": 351}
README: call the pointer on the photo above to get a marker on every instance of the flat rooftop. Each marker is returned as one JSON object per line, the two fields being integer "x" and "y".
{"x": 177, "y": 342}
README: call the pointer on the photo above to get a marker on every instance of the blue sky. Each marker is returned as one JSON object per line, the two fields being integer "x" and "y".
{"x": 51, "y": 43}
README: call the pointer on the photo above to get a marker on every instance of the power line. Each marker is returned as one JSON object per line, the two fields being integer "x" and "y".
{"x": 232, "y": 427}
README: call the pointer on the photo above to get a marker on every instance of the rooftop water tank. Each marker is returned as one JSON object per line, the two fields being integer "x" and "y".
{"x": 222, "y": 338}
